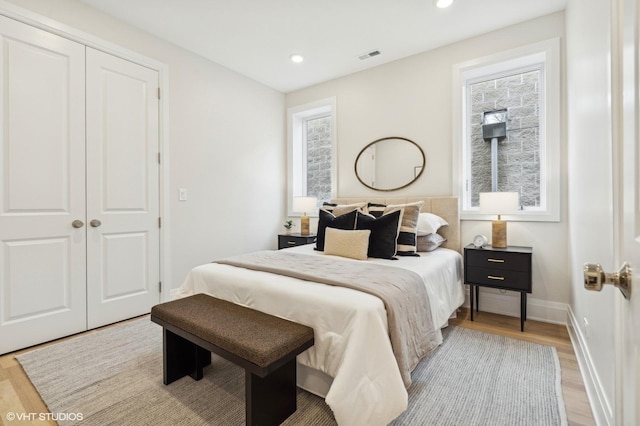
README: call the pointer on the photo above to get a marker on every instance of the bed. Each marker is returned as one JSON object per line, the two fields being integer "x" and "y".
{"x": 352, "y": 364}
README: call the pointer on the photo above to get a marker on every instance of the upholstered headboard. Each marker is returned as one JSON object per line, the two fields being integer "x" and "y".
{"x": 445, "y": 207}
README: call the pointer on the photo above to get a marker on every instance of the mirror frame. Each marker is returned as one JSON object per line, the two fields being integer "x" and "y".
{"x": 424, "y": 163}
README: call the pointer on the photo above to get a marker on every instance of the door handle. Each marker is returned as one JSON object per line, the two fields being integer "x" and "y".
{"x": 595, "y": 277}
{"x": 77, "y": 223}
{"x": 95, "y": 223}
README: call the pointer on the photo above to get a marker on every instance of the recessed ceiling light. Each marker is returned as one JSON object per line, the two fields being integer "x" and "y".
{"x": 443, "y": 3}
{"x": 297, "y": 58}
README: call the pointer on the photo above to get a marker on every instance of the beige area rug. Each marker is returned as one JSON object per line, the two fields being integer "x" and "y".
{"x": 114, "y": 377}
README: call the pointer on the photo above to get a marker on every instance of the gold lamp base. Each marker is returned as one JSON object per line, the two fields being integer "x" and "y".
{"x": 304, "y": 225}
{"x": 499, "y": 234}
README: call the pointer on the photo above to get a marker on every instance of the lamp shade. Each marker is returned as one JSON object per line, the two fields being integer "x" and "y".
{"x": 499, "y": 202}
{"x": 304, "y": 204}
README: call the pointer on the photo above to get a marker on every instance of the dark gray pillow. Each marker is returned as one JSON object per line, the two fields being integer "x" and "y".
{"x": 430, "y": 242}
{"x": 384, "y": 233}
{"x": 328, "y": 220}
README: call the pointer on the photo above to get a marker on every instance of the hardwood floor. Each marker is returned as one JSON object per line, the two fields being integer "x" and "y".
{"x": 17, "y": 394}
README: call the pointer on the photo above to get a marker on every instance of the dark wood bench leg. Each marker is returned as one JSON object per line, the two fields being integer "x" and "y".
{"x": 271, "y": 399}
{"x": 182, "y": 357}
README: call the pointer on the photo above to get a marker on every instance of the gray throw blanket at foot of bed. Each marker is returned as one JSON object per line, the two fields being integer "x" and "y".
{"x": 403, "y": 293}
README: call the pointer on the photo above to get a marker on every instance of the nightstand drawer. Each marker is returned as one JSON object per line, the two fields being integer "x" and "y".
{"x": 500, "y": 278}
{"x": 499, "y": 260}
{"x": 293, "y": 240}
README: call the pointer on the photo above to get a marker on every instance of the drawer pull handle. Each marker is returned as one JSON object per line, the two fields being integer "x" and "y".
{"x": 495, "y": 260}
{"x": 491, "y": 277}
{"x": 291, "y": 242}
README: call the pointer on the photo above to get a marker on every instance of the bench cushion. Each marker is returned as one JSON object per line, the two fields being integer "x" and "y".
{"x": 259, "y": 338}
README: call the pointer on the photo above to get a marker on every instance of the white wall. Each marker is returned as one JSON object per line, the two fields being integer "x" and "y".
{"x": 226, "y": 145}
{"x": 412, "y": 98}
{"x": 227, "y": 149}
{"x": 590, "y": 193}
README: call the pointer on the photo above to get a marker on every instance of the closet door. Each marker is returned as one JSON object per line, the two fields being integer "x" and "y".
{"x": 123, "y": 248}
{"x": 42, "y": 187}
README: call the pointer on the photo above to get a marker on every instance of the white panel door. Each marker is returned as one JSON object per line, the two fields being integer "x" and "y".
{"x": 42, "y": 186}
{"x": 122, "y": 189}
{"x": 628, "y": 335}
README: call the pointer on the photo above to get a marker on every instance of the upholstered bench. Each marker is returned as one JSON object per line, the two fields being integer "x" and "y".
{"x": 264, "y": 345}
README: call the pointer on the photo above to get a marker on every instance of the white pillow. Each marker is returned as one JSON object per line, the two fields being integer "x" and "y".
{"x": 429, "y": 223}
{"x": 347, "y": 243}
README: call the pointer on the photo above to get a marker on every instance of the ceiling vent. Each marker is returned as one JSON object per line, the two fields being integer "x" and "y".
{"x": 369, "y": 55}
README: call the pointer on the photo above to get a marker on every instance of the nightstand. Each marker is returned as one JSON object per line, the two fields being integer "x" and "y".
{"x": 503, "y": 268}
{"x": 292, "y": 240}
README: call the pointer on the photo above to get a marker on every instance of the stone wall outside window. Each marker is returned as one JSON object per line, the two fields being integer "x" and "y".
{"x": 519, "y": 152}
{"x": 319, "y": 158}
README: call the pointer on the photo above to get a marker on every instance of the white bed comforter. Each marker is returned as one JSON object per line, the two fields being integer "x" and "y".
{"x": 350, "y": 327}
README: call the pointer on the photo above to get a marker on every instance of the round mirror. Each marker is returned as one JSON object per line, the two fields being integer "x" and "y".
{"x": 390, "y": 163}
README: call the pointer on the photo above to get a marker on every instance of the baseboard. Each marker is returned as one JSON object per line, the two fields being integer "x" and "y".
{"x": 508, "y": 303}
{"x": 601, "y": 409}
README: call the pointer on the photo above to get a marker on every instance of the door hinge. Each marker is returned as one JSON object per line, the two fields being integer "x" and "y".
{"x": 160, "y": 287}
{"x": 159, "y": 158}
{"x": 158, "y": 93}
{"x": 159, "y": 222}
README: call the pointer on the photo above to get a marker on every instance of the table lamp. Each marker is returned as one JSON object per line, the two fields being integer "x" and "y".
{"x": 304, "y": 205}
{"x": 499, "y": 203}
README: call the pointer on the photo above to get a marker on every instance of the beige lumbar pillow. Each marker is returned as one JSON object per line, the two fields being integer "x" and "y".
{"x": 347, "y": 243}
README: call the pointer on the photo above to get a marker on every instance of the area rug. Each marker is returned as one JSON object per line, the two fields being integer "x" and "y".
{"x": 114, "y": 376}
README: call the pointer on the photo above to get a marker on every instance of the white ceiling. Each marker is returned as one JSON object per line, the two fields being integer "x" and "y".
{"x": 256, "y": 37}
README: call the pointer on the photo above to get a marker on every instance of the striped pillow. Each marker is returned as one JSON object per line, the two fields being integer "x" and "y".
{"x": 340, "y": 209}
{"x": 376, "y": 210}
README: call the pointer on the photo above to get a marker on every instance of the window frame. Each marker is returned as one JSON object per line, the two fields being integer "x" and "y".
{"x": 546, "y": 55}
{"x": 297, "y": 118}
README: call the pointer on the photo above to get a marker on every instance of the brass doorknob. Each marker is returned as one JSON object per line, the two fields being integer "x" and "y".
{"x": 77, "y": 223}
{"x": 595, "y": 277}
{"x": 95, "y": 223}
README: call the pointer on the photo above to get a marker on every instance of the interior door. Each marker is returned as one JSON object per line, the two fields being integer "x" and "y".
{"x": 123, "y": 249}
{"x": 628, "y": 335}
{"x": 366, "y": 166}
{"x": 42, "y": 186}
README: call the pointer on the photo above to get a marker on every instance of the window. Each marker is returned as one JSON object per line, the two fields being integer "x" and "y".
{"x": 311, "y": 159}
{"x": 524, "y": 83}
{"x": 518, "y": 152}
